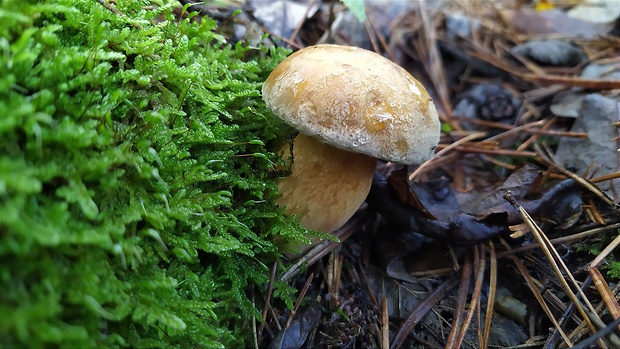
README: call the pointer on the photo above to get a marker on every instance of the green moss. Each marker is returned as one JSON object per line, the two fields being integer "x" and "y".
{"x": 136, "y": 199}
{"x": 610, "y": 265}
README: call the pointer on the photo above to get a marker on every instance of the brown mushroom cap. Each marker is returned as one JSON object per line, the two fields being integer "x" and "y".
{"x": 355, "y": 100}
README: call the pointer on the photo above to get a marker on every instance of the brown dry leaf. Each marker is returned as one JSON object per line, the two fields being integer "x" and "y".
{"x": 398, "y": 181}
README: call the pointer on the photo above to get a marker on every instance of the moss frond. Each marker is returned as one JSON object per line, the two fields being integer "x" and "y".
{"x": 136, "y": 203}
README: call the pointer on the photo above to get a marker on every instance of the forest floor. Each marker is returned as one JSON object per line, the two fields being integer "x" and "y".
{"x": 522, "y": 194}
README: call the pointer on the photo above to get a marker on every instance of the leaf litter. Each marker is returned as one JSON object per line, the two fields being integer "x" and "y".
{"x": 525, "y": 182}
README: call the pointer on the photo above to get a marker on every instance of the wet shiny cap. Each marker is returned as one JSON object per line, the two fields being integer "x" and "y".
{"x": 355, "y": 100}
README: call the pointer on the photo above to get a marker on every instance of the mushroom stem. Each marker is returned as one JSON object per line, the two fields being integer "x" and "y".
{"x": 327, "y": 185}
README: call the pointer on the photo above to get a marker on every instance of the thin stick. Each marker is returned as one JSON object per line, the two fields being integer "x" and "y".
{"x": 380, "y": 37}
{"x": 557, "y": 241}
{"x": 385, "y": 324}
{"x": 557, "y": 263}
{"x": 547, "y": 160}
{"x": 598, "y": 335}
{"x": 600, "y": 283}
{"x": 444, "y": 151}
{"x": 612, "y": 245}
{"x": 254, "y": 323}
{"x": 603, "y": 289}
{"x": 480, "y": 266}
{"x": 272, "y": 278}
{"x": 301, "y": 23}
{"x": 491, "y": 300}
{"x": 504, "y": 152}
{"x": 537, "y": 295}
{"x": 457, "y": 318}
{"x": 302, "y": 294}
{"x": 420, "y": 311}
{"x": 605, "y": 177}
{"x": 325, "y": 247}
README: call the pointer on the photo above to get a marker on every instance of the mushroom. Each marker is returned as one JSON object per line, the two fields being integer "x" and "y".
{"x": 351, "y": 107}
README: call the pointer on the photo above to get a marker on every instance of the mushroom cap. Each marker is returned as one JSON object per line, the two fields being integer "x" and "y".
{"x": 356, "y": 100}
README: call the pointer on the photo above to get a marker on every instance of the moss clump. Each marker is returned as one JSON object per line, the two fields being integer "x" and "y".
{"x": 136, "y": 206}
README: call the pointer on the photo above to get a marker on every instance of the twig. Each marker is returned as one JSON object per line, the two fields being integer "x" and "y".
{"x": 562, "y": 240}
{"x": 582, "y": 181}
{"x": 457, "y": 318}
{"x": 480, "y": 266}
{"x": 301, "y": 23}
{"x": 552, "y": 340}
{"x": 272, "y": 278}
{"x": 504, "y": 152}
{"x": 598, "y": 335}
{"x": 377, "y": 32}
{"x": 491, "y": 299}
{"x": 432, "y": 60}
{"x": 558, "y": 266}
{"x": 325, "y": 247}
{"x": 444, "y": 151}
{"x": 599, "y": 282}
{"x": 334, "y": 271}
{"x": 537, "y": 295}
{"x": 385, "y": 324}
{"x": 420, "y": 311}
{"x": 302, "y": 294}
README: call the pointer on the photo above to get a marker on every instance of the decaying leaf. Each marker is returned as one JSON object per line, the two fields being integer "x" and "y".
{"x": 530, "y": 22}
{"x": 399, "y": 182}
{"x": 550, "y": 52}
{"x": 296, "y": 334}
{"x": 486, "y": 213}
{"x": 597, "y": 116}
